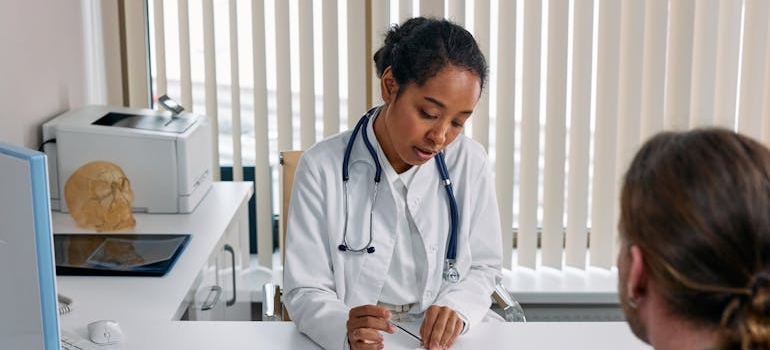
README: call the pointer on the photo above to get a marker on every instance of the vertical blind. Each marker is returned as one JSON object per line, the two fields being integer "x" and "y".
{"x": 575, "y": 87}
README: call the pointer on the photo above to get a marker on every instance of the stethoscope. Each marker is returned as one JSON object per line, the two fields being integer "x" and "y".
{"x": 450, "y": 271}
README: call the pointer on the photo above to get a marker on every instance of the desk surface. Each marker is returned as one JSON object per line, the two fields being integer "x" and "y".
{"x": 160, "y": 298}
{"x": 146, "y": 307}
{"x": 284, "y": 335}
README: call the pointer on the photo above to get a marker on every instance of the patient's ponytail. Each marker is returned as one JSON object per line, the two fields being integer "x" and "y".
{"x": 746, "y": 320}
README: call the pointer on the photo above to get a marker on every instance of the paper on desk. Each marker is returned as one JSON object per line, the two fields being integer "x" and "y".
{"x": 128, "y": 253}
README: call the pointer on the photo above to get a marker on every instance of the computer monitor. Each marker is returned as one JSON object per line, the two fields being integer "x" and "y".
{"x": 29, "y": 316}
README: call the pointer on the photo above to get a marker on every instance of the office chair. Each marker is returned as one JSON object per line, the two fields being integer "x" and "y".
{"x": 272, "y": 303}
{"x": 503, "y": 301}
{"x": 505, "y": 305}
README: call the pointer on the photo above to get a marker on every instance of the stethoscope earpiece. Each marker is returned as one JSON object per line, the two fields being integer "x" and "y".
{"x": 343, "y": 248}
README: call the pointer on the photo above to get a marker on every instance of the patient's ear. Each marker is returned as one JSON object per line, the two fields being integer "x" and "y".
{"x": 388, "y": 86}
{"x": 637, "y": 275}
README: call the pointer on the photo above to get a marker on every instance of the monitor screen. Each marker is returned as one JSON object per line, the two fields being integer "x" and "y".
{"x": 29, "y": 318}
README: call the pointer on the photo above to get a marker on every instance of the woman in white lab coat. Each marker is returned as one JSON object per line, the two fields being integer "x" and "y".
{"x": 357, "y": 259}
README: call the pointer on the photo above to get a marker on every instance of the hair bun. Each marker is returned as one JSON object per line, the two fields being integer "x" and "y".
{"x": 761, "y": 281}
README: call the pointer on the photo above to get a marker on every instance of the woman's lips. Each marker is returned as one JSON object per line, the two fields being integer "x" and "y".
{"x": 423, "y": 154}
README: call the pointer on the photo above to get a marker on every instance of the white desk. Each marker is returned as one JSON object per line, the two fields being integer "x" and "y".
{"x": 537, "y": 335}
{"x": 147, "y": 308}
{"x": 284, "y": 335}
{"x": 131, "y": 300}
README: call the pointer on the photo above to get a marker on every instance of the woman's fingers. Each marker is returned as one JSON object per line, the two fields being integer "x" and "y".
{"x": 364, "y": 326}
{"x": 440, "y": 327}
{"x": 450, "y": 337}
{"x": 369, "y": 316}
{"x": 369, "y": 310}
{"x": 365, "y": 338}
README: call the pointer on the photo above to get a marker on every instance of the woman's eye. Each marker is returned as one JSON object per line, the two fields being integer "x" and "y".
{"x": 427, "y": 115}
{"x": 457, "y": 124}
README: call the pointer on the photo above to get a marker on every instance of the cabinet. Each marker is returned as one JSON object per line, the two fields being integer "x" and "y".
{"x": 218, "y": 249}
{"x": 214, "y": 294}
{"x": 218, "y": 292}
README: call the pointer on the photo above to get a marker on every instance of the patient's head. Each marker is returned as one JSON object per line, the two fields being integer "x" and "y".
{"x": 695, "y": 236}
{"x": 99, "y": 196}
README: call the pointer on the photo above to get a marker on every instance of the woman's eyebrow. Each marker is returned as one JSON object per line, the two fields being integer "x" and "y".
{"x": 442, "y": 105}
{"x": 435, "y": 101}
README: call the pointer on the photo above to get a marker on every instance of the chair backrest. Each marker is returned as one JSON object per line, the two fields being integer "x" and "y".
{"x": 289, "y": 160}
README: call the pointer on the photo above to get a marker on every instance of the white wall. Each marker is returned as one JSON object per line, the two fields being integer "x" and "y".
{"x": 42, "y": 71}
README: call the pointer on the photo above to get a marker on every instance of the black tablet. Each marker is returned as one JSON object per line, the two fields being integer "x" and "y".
{"x": 97, "y": 254}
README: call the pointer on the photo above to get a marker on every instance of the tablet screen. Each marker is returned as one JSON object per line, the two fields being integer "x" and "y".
{"x": 117, "y": 254}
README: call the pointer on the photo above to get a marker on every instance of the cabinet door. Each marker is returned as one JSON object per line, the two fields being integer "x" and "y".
{"x": 228, "y": 263}
{"x": 208, "y": 303}
{"x": 221, "y": 294}
{"x": 237, "y": 308}
{"x": 227, "y": 275}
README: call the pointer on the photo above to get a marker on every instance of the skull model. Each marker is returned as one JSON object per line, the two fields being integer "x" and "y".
{"x": 99, "y": 196}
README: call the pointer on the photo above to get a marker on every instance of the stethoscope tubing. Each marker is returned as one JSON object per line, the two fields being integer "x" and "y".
{"x": 451, "y": 253}
{"x": 450, "y": 272}
{"x": 349, "y": 148}
{"x": 345, "y": 246}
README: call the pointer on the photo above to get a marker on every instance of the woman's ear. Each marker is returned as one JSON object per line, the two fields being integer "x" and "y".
{"x": 637, "y": 276}
{"x": 388, "y": 86}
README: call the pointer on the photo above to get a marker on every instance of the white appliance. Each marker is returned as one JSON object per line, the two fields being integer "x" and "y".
{"x": 166, "y": 157}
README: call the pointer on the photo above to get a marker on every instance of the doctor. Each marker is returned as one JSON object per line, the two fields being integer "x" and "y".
{"x": 397, "y": 219}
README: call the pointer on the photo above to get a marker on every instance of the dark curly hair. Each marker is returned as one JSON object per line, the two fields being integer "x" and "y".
{"x": 420, "y": 47}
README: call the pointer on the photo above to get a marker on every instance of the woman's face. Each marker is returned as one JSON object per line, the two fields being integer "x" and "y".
{"x": 420, "y": 121}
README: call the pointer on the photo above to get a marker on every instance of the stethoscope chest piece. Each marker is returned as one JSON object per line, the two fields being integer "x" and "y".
{"x": 450, "y": 272}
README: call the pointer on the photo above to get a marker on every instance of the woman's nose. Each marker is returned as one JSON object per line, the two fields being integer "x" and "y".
{"x": 437, "y": 134}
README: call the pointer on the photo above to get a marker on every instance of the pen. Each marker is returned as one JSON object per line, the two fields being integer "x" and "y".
{"x": 405, "y": 330}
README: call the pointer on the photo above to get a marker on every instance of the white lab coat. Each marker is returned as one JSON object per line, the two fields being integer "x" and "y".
{"x": 322, "y": 283}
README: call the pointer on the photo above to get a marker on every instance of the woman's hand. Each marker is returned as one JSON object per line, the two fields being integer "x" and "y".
{"x": 440, "y": 327}
{"x": 364, "y": 326}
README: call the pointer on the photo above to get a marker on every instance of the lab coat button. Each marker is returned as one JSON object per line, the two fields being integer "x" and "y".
{"x": 428, "y": 294}
{"x": 433, "y": 249}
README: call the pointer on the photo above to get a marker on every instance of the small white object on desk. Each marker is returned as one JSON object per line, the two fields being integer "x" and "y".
{"x": 105, "y": 332}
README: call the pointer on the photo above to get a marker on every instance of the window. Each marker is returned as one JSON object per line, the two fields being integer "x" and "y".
{"x": 574, "y": 89}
